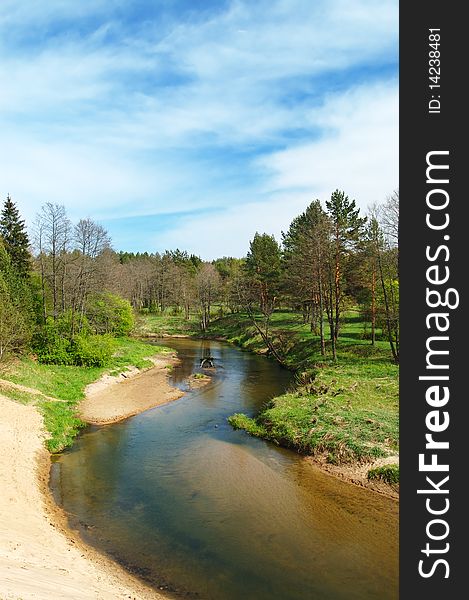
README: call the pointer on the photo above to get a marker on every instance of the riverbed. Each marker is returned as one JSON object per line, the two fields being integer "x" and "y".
{"x": 202, "y": 511}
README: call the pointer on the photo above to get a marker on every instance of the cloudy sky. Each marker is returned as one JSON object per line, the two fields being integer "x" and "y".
{"x": 196, "y": 123}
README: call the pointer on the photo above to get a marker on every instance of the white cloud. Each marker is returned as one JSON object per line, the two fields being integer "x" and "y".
{"x": 358, "y": 151}
{"x": 114, "y": 120}
{"x": 228, "y": 233}
{"x": 358, "y": 154}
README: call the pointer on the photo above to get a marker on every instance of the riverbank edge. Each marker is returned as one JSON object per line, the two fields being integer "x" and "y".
{"x": 354, "y": 473}
{"x": 100, "y": 560}
{"x": 106, "y": 382}
{"x": 38, "y": 477}
{"x": 41, "y": 554}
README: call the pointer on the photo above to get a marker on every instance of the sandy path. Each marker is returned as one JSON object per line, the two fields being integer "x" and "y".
{"x": 113, "y": 399}
{"x": 38, "y": 560}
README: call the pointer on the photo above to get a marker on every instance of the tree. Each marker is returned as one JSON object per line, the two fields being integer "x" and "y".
{"x": 370, "y": 272}
{"x": 387, "y": 258}
{"x": 262, "y": 285}
{"x": 207, "y": 286}
{"x": 15, "y": 325}
{"x": 263, "y": 266}
{"x": 347, "y": 228}
{"x": 304, "y": 258}
{"x": 52, "y": 229}
{"x": 388, "y": 214}
{"x": 90, "y": 241}
{"x": 108, "y": 313}
{"x": 230, "y": 270}
{"x": 15, "y": 238}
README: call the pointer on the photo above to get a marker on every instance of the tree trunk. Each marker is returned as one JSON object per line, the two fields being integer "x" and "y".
{"x": 321, "y": 322}
{"x": 373, "y": 307}
{"x": 388, "y": 314}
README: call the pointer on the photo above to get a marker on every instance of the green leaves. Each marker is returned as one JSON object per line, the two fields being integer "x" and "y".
{"x": 348, "y": 225}
{"x": 15, "y": 238}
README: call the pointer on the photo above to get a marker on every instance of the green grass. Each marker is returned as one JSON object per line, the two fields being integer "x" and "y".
{"x": 62, "y": 424}
{"x": 19, "y": 395}
{"x": 67, "y": 384}
{"x": 294, "y": 339}
{"x": 386, "y": 473}
{"x": 346, "y": 410}
{"x": 167, "y": 323}
{"x": 200, "y": 376}
{"x": 349, "y": 413}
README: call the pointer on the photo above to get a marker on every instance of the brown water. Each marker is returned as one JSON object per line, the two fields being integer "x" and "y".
{"x": 189, "y": 504}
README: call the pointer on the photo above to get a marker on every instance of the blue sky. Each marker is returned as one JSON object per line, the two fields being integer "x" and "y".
{"x": 196, "y": 123}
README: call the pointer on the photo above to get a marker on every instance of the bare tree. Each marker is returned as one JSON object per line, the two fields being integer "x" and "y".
{"x": 207, "y": 285}
{"x": 90, "y": 240}
{"x": 52, "y": 238}
{"x": 388, "y": 216}
{"x": 386, "y": 259}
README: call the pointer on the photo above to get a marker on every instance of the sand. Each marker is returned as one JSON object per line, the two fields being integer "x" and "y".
{"x": 40, "y": 558}
{"x": 114, "y": 398}
{"x": 356, "y": 473}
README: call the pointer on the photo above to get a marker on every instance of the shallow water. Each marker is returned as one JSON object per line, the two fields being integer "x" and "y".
{"x": 180, "y": 498}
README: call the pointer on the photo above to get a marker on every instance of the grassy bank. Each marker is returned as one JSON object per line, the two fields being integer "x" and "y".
{"x": 167, "y": 323}
{"x": 347, "y": 412}
{"x": 57, "y": 389}
{"x": 344, "y": 411}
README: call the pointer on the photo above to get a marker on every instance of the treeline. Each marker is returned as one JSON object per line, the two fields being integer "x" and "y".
{"x": 66, "y": 292}
{"x": 328, "y": 261}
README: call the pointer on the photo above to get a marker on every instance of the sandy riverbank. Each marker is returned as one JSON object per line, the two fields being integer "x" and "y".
{"x": 114, "y": 398}
{"x": 39, "y": 558}
{"x": 356, "y": 473}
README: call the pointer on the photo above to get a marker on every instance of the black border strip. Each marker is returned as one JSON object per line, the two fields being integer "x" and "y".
{"x": 437, "y": 126}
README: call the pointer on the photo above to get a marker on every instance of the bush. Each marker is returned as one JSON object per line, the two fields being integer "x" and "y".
{"x": 92, "y": 350}
{"x": 68, "y": 324}
{"x": 53, "y": 346}
{"x": 108, "y": 313}
{"x": 50, "y": 346}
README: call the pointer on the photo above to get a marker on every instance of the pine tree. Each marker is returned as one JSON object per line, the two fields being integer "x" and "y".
{"x": 304, "y": 260}
{"x": 347, "y": 229}
{"x": 15, "y": 238}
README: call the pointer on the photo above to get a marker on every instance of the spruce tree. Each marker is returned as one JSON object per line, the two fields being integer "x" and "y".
{"x": 15, "y": 238}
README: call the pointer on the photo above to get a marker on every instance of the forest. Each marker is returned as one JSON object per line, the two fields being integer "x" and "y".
{"x": 65, "y": 293}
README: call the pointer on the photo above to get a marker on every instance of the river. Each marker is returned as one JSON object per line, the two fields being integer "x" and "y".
{"x": 178, "y": 497}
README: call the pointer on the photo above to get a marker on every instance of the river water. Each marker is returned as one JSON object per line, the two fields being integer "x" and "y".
{"x": 190, "y": 505}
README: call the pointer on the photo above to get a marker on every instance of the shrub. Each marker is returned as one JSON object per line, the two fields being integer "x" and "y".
{"x": 68, "y": 324}
{"x": 108, "y": 313}
{"x": 50, "y": 346}
{"x": 92, "y": 350}
{"x": 53, "y": 346}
